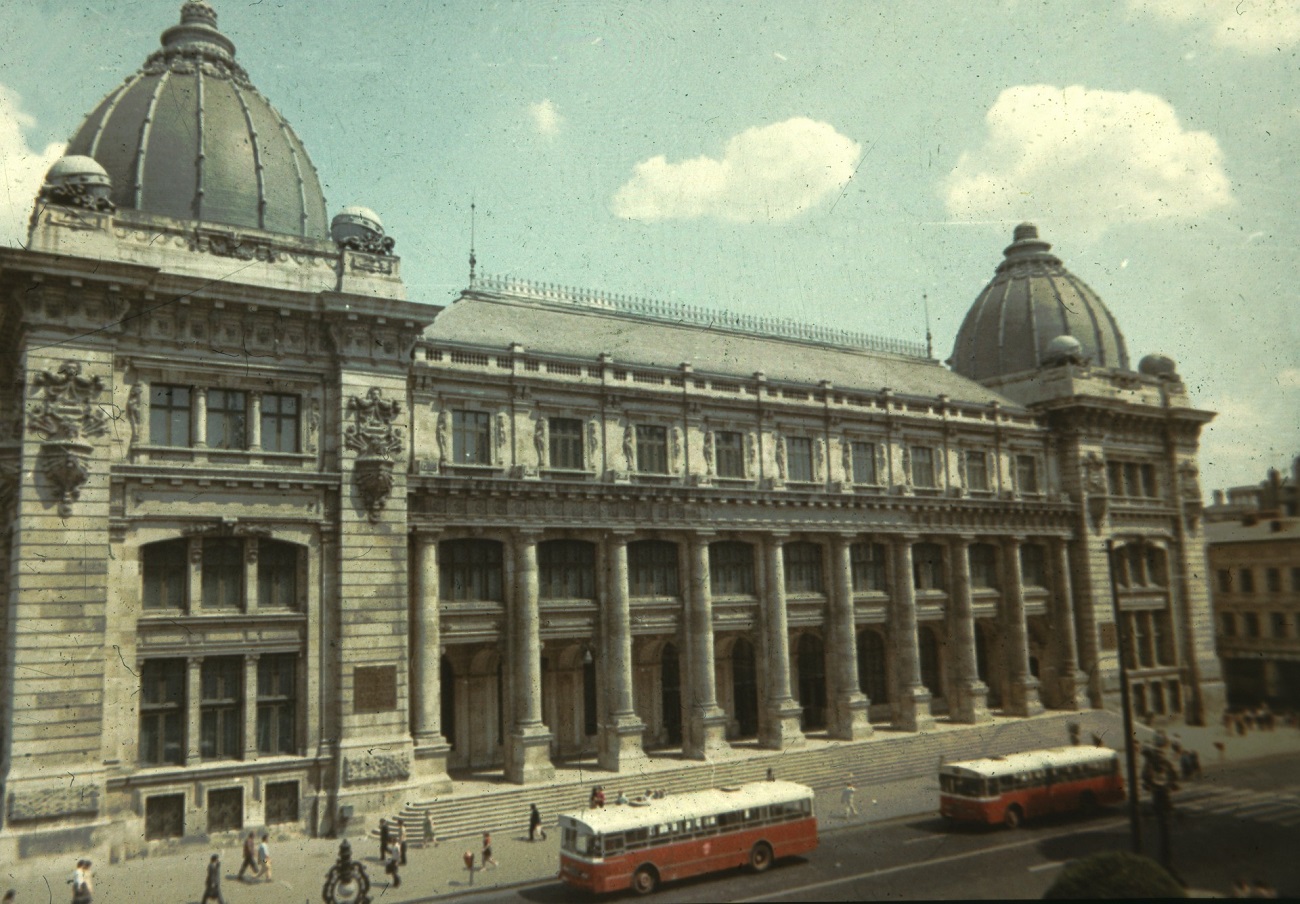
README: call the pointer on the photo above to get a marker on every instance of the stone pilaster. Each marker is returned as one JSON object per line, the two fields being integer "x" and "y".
{"x": 1023, "y": 689}
{"x": 848, "y": 705}
{"x": 911, "y": 704}
{"x": 970, "y": 694}
{"x": 708, "y": 730}
{"x": 781, "y": 730}
{"x": 431, "y": 748}
{"x": 528, "y": 742}
{"x": 1072, "y": 683}
{"x": 622, "y": 730}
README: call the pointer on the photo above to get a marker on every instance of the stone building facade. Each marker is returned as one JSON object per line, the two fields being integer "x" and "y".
{"x": 283, "y": 547}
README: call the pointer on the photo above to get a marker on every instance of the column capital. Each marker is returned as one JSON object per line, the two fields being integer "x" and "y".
{"x": 843, "y": 538}
{"x": 777, "y": 538}
{"x": 528, "y": 534}
{"x": 962, "y": 539}
{"x": 906, "y": 537}
{"x": 1014, "y": 540}
{"x": 426, "y": 534}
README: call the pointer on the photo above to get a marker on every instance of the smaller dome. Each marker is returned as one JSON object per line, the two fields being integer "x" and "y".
{"x": 75, "y": 169}
{"x": 77, "y": 181}
{"x": 1158, "y": 366}
{"x": 1064, "y": 350}
{"x": 360, "y": 229}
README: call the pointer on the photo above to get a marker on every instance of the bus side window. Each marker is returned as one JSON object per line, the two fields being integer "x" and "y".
{"x": 1008, "y": 782}
{"x": 613, "y": 844}
{"x": 634, "y": 839}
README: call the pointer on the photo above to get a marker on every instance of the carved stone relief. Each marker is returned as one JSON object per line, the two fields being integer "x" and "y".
{"x": 65, "y": 416}
{"x": 377, "y": 442}
{"x": 379, "y": 767}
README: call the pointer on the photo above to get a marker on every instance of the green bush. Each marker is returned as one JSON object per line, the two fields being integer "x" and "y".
{"x": 1115, "y": 874}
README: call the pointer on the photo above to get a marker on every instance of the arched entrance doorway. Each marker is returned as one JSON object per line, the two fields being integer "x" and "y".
{"x": 744, "y": 687}
{"x": 812, "y": 682}
{"x": 671, "y": 678}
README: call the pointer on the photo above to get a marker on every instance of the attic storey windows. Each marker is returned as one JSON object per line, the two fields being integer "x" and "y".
{"x": 279, "y": 422}
{"x": 923, "y": 467}
{"x": 651, "y": 449}
{"x": 1027, "y": 474}
{"x": 566, "y": 443}
{"x": 227, "y": 419}
{"x": 977, "y": 470}
{"x": 801, "y": 459}
{"x": 166, "y": 574}
{"x": 169, "y": 415}
{"x": 730, "y": 449}
{"x": 864, "y": 463}
{"x": 471, "y": 438}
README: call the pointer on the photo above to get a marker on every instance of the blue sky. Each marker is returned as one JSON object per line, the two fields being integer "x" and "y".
{"x": 829, "y": 162}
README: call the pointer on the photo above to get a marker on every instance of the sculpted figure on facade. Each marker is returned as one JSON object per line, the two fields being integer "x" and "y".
{"x": 593, "y": 443}
{"x": 819, "y": 456}
{"x": 134, "y": 404}
{"x": 751, "y": 452}
{"x": 441, "y": 435}
{"x": 708, "y": 453}
{"x": 778, "y": 441}
{"x": 313, "y": 425}
{"x": 629, "y": 447}
{"x": 539, "y": 440}
{"x": 1095, "y": 489}
{"x": 503, "y": 423}
{"x": 846, "y": 458}
{"x": 677, "y": 450}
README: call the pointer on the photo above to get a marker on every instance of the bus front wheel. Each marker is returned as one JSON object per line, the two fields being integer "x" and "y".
{"x": 644, "y": 880}
{"x": 760, "y": 858}
{"x": 1013, "y": 817}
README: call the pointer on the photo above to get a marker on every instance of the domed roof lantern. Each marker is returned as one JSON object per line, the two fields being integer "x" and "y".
{"x": 1017, "y": 321}
{"x": 197, "y": 32}
{"x": 77, "y": 181}
{"x": 360, "y": 229}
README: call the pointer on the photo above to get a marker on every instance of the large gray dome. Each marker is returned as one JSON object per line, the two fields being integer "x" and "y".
{"x": 1031, "y": 301}
{"x": 189, "y": 137}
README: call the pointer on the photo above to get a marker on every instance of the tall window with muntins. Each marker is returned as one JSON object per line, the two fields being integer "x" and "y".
{"x": 731, "y": 568}
{"x": 1225, "y": 580}
{"x": 927, "y": 567}
{"x": 162, "y": 712}
{"x": 729, "y": 452}
{"x": 223, "y": 573}
{"x": 1251, "y": 622}
{"x": 1273, "y": 580}
{"x": 166, "y": 569}
{"x": 800, "y": 450}
{"x": 983, "y": 567}
{"x": 652, "y": 568}
{"x": 1142, "y": 639}
{"x": 1132, "y": 479}
{"x": 279, "y": 422}
{"x": 1247, "y": 580}
{"x": 651, "y": 449}
{"x": 1033, "y": 565}
{"x": 863, "y": 457}
{"x": 867, "y": 564}
{"x": 1278, "y": 620}
{"x": 471, "y": 438}
{"x": 977, "y": 470}
{"x": 169, "y": 415}
{"x": 566, "y": 443}
{"x": 470, "y": 570}
{"x": 227, "y": 424}
{"x": 872, "y": 665}
{"x": 803, "y": 568}
{"x": 566, "y": 570}
{"x": 276, "y": 708}
{"x": 1027, "y": 474}
{"x": 923, "y": 473}
{"x": 221, "y": 712}
{"x": 277, "y": 574}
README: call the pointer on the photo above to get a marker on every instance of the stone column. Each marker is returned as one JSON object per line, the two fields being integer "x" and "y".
{"x": 250, "y": 706}
{"x": 528, "y": 744}
{"x": 849, "y": 706}
{"x": 911, "y": 703}
{"x": 255, "y": 421}
{"x": 200, "y": 398}
{"x": 782, "y": 730}
{"x": 193, "y": 709}
{"x": 1023, "y": 690}
{"x": 622, "y": 730}
{"x": 970, "y": 694}
{"x": 431, "y": 748}
{"x": 1073, "y": 682}
{"x": 708, "y": 734}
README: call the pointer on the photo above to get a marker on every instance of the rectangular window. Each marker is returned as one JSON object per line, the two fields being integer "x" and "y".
{"x": 162, "y": 712}
{"x": 279, "y": 422}
{"x": 927, "y": 567}
{"x": 166, "y": 574}
{"x": 1033, "y": 565}
{"x": 1247, "y": 580}
{"x": 169, "y": 415}
{"x": 864, "y": 463}
{"x": 983, "y": 567}
{"x": 221, "y": 717}
{"x": 470, "y": 570}
{"x": 1142, "y": 638}
{"x": 1225, "y": 580}
{"x": 566, "y": 570}
{"x": 276, "y": 711}
{"x": 227, "y": 419}
{"x": 566, "y": 444}
{"x": 1149, "y": 481}
{"x": 731, "y": 568}
{"x": 803, "y": 568}
{"x": 1132, "y": 481}
{"x": 867, "y": 561}
{"x": 801, "y": 458}
{"x": 1251, "y": 620}
{"x": 729, "y": 448}
{"x": 1115, "y": 477}
{"x": 164, "y": 817}
{"x": 223, "y": 573}
{"x": 923, "y": 466}
{"x": 977, "y": 470}
{"x": 277, "y": 574}
{"x": 225, "y": 809}
{"x": 1228, "y": 623}
{"x": 1273, "y": 580}
{"x": 471, "y": 438}
{"x": 1164, "y": 638}
{"x": 1278, "y": 620}
{"x": 652, "y": 568}
{"x": 1027, "y": 474}
{"x": 281, "y": 802}
{"x": 651, "y": 449}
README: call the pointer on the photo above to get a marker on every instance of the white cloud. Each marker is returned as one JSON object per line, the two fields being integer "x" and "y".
{"x": 546, "y": 118}
{"x": 1087, "y": 156}
{"x": 1253, "y": 26}
{"x": 22, "y": 168}
{"x": 1289, "y": 378}
{"x": 767, "y": 173}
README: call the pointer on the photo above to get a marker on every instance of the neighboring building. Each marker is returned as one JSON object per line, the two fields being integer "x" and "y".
{"x": 286, "y": 547}
{"x": 1254, "y": 552}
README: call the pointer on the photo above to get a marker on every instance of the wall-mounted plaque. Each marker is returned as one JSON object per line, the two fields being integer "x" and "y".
{"x": 374, "y": 688}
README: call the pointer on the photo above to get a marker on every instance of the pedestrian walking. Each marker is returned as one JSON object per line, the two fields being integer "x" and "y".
{"x": 429, "y": 837}
{"x": 83, "y": 886}
{"x": 399, "y": 838}
{"x": 212, "y": 884}
{"x": 393, "y": 861}
{"x": 10, "y": 897}
{"x": 468, "y": 857}
{"x": 535, "y": 823}
{"x": 487, "y": 851}
{"x": 264, "y": 860}
{"x": 846, "y": 798}
{"x": 250, "y": 856}
{"x": 385, "y": 839}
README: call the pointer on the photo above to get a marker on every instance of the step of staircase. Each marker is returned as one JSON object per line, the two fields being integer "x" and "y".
{"x": 475, "y": 806}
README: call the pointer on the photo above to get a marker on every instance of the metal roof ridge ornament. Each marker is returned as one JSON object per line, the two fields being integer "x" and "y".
{"x": 693, "y": 314}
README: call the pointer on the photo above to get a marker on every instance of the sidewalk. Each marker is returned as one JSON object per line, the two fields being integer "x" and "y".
{"x": 300, "y": 865}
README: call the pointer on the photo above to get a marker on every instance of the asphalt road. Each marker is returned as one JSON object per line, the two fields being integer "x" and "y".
{"x": 1241, "y": 820}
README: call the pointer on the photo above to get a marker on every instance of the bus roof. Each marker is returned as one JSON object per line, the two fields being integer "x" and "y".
{"x": 1015, "y": 763}
{"x": 674, "y": 807}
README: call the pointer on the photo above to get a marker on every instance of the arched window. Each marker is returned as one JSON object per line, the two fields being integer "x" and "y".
{"x": 652, "y": 568}
{"x": 566, "y": 570}
{"x": 1033, "y": 565}
{"x": 928, "y": 646}
{"x": 803, "y": 568}
{"x": 470, "y": 570}
{"x": 927, "y": 567}
{"x": 223, "y": 573}
{"x": 983, "y": 567}
{"x": 868, "y": 564}
{"x": 731, "y": 568}
{"x": 872, "y": 666}
{"x": 166, "y": 574}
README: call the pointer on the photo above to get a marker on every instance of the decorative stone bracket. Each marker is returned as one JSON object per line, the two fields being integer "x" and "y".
{"x": 377, "y": 443}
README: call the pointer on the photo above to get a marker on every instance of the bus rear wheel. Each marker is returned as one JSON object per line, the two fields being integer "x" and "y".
{"x": 760, "y": 858}
{"x": 645, "y": 880}
{"x": 1013, "y": 817}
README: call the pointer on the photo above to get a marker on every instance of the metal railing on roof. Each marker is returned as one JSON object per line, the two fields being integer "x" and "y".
{"x": 697, "y": 315}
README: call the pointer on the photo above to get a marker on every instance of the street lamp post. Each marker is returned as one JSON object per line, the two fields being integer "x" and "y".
{"x": 1130, "y": 756}
{"x": 346, "y": 882}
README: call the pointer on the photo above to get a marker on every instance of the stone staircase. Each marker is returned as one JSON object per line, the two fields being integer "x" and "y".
{"x": 497, "y": 806}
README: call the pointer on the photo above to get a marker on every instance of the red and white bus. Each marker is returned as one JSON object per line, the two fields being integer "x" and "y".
{"x": 1010, "y": 789}
{"x": 641, "y": 844}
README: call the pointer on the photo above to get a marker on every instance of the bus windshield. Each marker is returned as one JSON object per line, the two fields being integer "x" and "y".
{"x": 961, "y": 786}
{"x": 580, "y": 842}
